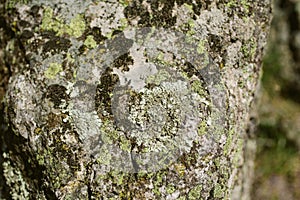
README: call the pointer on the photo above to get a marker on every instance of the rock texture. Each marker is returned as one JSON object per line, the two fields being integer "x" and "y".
{"x": 130, "y": 99}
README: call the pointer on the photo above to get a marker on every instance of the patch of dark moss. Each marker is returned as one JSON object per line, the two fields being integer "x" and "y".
{"x": 123, "y": 62}
{"x": 161, "y": 16}
{"x": 103, "y": 97}
{"x": 56, "y": 44}
{"x": 56, "y": 93}
{"x": 215, "y": 43}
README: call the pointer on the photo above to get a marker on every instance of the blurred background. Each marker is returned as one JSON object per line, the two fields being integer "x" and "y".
{"x": 277, "y": 167}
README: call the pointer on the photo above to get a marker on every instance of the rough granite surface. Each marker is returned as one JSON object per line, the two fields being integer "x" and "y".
{"x": 130, "y": 99}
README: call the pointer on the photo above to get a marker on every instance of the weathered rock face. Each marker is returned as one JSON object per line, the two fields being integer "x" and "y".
{"x": 131, "y": 99}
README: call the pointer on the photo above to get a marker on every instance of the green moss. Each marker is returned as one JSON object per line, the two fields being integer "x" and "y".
{"x": 50, "y": 23}
{"x": 53, "y": 70}
{"x": 195, "y": 193}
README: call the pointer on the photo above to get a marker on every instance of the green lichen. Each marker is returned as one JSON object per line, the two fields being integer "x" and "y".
{"x": 189, "y": 7}
{"x": 12, "y": 3}
{"x": 90, "y": 42}
{"x": 124, "y": 24}
{"x": 50, "y": 23}
{"x": 245, "y": 4}
{"x": 180, "y": 169}
{"x": 125, "y": 144}
{"x": 69, "y": 58}
{"x": 156, "y": 191}
{"x": 202, "y": 128}
{"x": 40, "y": 159}
{"x": 108, "y": 134}
{"x": 195, "y": 192}
{"x": 249, "y": 49}
{"x": 239, "y": 150}
{"x": 201, "y": 47}
{"x": 191, "y": 31}
{"x": 118, "y": 177}
{"x": 125, "y": 3}
{"x": 157, "y": 78}
{"x": 228, "y": 144}
{"x": 218, "y": 191}
{"x": 104, "y": 156}
{"x": 76, "y": 27}
{"x": 170, "y": 189}
{"x": 53, "y": 70}
{"x": 197, "y": 87}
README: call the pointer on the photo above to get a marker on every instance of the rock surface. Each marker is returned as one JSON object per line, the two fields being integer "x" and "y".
{"x": 131, "y": 99}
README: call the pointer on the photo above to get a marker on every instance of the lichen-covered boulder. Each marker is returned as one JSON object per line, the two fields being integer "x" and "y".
{"x": 131, "y": 99}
